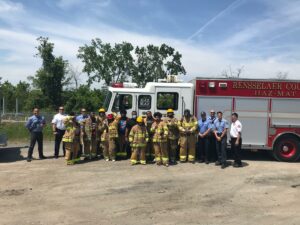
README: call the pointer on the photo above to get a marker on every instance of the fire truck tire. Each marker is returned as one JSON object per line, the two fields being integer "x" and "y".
{"x": 287, "y": 148}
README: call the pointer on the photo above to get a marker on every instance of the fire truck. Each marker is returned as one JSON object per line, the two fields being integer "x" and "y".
{"x": 268, "y": 109}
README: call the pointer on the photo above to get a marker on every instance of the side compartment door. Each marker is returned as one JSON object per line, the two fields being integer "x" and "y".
{"x": 253, "y": 114}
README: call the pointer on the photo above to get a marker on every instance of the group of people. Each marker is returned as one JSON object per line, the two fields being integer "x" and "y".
{"x": 143, "y": 139}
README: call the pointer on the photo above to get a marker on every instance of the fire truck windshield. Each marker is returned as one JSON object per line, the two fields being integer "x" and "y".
{"x": 107, "y": 100}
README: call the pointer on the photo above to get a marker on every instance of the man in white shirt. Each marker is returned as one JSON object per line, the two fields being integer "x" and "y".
{"x": 236, "y": 139}
{"x": 59, "y": 129}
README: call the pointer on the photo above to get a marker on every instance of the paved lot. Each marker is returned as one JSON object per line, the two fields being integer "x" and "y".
{"x": 99, "y": 192}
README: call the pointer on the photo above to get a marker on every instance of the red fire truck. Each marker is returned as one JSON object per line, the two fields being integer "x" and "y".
{"x": 268, "y": 109}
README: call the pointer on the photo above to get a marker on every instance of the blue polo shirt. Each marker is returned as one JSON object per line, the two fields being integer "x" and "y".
{"x": 81, "y": 117}
{"x": 35, "y": 123}
{"x": 212, "y": 120}
{"x": 220, "y": 126}
{"x": 203, "y": 126}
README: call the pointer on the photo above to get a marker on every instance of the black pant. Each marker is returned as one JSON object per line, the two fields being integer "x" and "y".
{"x": 212, "y": 147}
{"x": 236, "y": 150}
{"x": 221, "y": 149}
{"x": 203, "y": 149}
{"x": 58, "y": 138}
{"x": 36, "y": 137}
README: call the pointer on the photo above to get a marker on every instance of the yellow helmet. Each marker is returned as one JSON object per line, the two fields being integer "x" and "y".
{"x": 101, "y": 110}
{"x": 170, "y": 111}
{"x": 139, "y": 119}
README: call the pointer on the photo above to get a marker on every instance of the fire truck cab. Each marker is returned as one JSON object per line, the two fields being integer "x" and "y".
{"x": 268, "y": 109}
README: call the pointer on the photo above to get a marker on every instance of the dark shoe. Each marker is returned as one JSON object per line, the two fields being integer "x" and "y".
{"x": 201, "y": 161}
{"x": 237, "y": 165}
{"x": 217, "y": 163}
{"x": 29, "y": 159}
{"x": 56, "y": 157}
{"x": 42, "y": 157}
{"x": 223, "y": 166}
{"x": 193, "y": 162}
{"x": 182, "y": 161}
{"x": 206, "y": 162}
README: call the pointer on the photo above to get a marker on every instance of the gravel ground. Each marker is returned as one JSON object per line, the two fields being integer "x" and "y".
{"x": 49, "y": 192}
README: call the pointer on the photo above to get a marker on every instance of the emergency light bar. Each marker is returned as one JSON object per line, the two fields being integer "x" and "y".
{"x": 124, "y": 85}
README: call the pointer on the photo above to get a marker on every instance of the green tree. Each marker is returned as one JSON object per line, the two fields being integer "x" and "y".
{"x": 8, "y": 93}
{"x": 105, "y": 62}
{"x": 51, "y": 77}
{"x": 83, "y": 96}
{"x": 153, "y": 63}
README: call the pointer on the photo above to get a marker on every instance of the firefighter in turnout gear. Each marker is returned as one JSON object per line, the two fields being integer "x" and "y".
{"x": 160, "y": 136}
{"x": 173, "y": 135}
{"x": 149, "y": 120}
{"x": 138, "y": 138}
{"x": 110, "y": 137}
{"x": 71, "y": 139}
{"x": 101, "y": 122}
{"x": 188, "y": 136}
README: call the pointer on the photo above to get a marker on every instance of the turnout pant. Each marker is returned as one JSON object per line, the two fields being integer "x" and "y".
{"x": 221, "y": 150}
{"x": 58, "y": 138}
{"x": 203, "y": 149}
{"x": 172, "y": 147}
{"x": 36, "y": 137}
{"x": 236, "y": 151}
{"x": 138, "y": 154}
{"x": 72, "y": 149}
{"x": 187, "y": 148}
{"x": 109, "y": 148}
{"x": 161, "y": 152}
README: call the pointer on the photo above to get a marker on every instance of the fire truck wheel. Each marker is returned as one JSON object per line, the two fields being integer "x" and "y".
{"x": 287, "y": 149}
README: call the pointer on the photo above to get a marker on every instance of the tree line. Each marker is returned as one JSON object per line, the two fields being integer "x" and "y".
{"x": 55, "y": 83}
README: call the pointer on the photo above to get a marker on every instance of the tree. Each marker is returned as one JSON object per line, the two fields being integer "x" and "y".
{"x": 51, "y": 77}
{"x": 102, "y": 62}
{"x": 153, "y": 63}
{"x": 282, "y": 75}
{"x": 107, "y": 63}
{"x": 233, "y": 73}
{"x": 83, "y": 97}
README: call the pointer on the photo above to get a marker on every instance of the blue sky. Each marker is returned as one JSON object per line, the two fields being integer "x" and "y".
{"x": 261, "y": 36}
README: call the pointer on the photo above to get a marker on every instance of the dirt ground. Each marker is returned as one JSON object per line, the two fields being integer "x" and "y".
{"x": 49, "y": 192}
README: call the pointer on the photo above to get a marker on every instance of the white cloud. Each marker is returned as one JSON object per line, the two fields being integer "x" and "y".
{"x": 198, "y": 60}
{"x": 8, "y": 6}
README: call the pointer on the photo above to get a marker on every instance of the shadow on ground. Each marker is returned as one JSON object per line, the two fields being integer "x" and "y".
{"x": 11, "y": 154}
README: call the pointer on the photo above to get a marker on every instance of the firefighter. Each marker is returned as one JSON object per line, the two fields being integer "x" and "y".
{"x": 220, "y": 131}
{"x": 188, "y": 129}
{"x": 101, "y": 121}
{"x": 204, "y": 127}
{"x": 138, "y": 137}
{"x": 173, "y": 135}
{"x": 131, "y": 123}
{"x": 90, "y": 137}
{"x": 122, "y": 132}
{"x": 236, "y": 139}
{"x": 160, "y": 136}
{"x": 110, "y": 138}
{"x": 71, "y": 139}
{"x": 149, "y": 120}
{"x": 211, "y": 136}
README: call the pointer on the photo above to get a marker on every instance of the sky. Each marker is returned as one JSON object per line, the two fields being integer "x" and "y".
{"x": 260, "y": 36}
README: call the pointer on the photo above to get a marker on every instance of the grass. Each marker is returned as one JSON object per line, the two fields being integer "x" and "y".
{"x": 18, "y": 132}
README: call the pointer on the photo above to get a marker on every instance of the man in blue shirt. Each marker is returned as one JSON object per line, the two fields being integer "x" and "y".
{"x": 122, "y": 131}
{"x": 204, "y": 128}
{"x": 35, "y": 125}
{"x": 211, "y": 136}
{"x": 220, "y": 130}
